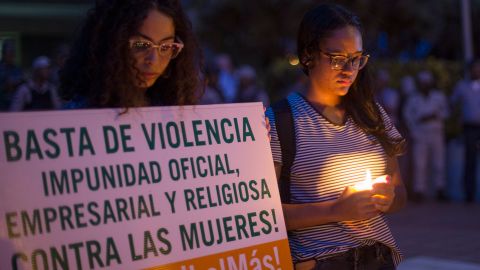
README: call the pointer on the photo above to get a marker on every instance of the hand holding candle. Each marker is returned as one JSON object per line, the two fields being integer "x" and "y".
{"x": 354, "y": 205}
{"x": 382, "y": 188}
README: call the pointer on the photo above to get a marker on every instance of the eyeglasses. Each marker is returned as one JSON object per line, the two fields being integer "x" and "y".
{"x": 338, "y": 62}
{"x": 167, "y": 49}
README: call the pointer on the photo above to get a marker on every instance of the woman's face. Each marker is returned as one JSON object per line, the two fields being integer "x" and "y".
{"x": 334, "y": 83}
{"x": 151, "y": 59}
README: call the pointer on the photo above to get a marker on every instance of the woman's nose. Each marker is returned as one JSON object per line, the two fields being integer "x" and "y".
{"x": 153, "y": 56}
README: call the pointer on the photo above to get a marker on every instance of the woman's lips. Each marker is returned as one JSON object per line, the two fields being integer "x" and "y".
{"x": 344, "y": 82}
{"x": 147, "y": 75}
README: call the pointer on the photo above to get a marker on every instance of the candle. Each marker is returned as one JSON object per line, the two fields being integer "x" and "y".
{"x": 367, "y": 184}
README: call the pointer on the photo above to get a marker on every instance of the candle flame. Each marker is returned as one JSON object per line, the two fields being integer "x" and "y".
{"x": 367, "y": 184}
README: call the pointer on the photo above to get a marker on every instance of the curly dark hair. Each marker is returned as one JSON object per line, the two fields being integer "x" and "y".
{"x": 317, "y": 25}
{"x": 100, "y": 59}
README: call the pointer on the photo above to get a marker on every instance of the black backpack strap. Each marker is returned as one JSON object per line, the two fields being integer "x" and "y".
{"x": 286, "y": 136}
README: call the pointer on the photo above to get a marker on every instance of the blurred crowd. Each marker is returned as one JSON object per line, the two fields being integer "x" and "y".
{"x": 418, "y": 109}
{"x": 33, "y": 89}
{"x": 226, "y": 83}
{"x": 36, "y": 88}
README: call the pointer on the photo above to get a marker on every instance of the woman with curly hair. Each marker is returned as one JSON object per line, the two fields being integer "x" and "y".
{"x": 133, "y": 53}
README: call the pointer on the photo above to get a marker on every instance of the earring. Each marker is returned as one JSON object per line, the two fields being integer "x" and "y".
{"x": 307, "y": 60}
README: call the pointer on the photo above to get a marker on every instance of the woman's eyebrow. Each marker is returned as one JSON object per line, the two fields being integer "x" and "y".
{"x": 150, "y": 39}
{"x": 343, "y": 53}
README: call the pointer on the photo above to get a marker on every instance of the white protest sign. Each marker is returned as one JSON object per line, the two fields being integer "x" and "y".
{"x": 189, "y": 187}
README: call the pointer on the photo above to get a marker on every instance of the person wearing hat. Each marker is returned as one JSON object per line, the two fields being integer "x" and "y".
{"x": 248, "y": 89}
{"x": 37, "y": 93}
{"x": 424, "y": 113}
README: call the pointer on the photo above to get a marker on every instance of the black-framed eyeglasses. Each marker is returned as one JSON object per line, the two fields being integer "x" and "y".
{"x": 167, "y": 49}
{"x": 338, "y": 62}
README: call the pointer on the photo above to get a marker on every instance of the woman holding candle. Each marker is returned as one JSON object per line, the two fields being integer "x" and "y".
{"x": 340, "y": 133}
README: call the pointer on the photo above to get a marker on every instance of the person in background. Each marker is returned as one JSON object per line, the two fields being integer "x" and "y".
{"x": 132, "y": 54}
{"x": 467, "y": 94}
{"x": 408, "y": 87}
{"x": 213, "y": 94}
{"x": 38, "y": 93}
{"x": 248, "y": 89}
{"x": 340, "y": 134}
{"x": 59, "y": 57}
{"x": 300, "y": 82}
{"x": 425, "y": 112}
{"x": 227, "y": 81}
{"x": 388, "y": 97}
{"x": 11, "y": 76}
